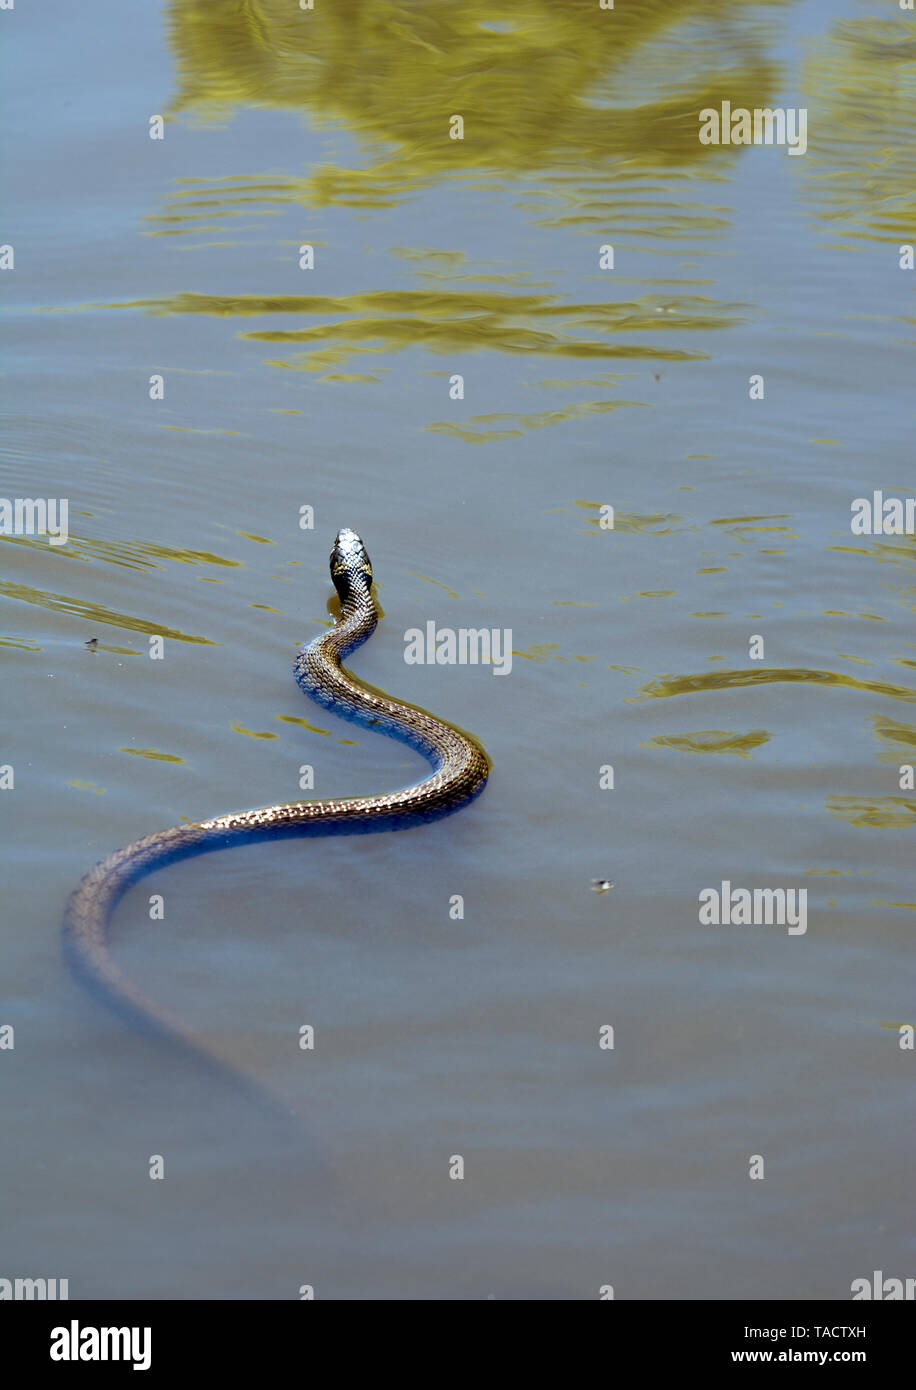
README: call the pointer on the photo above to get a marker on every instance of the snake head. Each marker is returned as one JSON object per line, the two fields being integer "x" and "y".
{"x": 350, "y": 564}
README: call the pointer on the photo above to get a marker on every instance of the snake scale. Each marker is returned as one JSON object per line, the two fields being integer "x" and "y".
{"x": 460, "y": 768}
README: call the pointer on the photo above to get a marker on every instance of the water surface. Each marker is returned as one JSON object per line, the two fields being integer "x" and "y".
{"x": 330, "y": 388}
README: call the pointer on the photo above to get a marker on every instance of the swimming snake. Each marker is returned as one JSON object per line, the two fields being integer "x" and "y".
{"x": 460, "y": 768}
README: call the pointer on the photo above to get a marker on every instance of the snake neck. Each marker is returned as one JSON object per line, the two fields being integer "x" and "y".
{"x": 460, "y": 765}
{"x": 357, "y": 620}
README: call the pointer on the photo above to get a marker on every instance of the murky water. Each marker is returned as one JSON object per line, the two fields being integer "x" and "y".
{"x": 332, "y": 388}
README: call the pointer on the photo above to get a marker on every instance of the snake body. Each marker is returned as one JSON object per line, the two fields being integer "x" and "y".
{"x": 460, "y": 768}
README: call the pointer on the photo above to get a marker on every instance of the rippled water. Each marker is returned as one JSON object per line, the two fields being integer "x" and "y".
{"x": 330, "y": 388}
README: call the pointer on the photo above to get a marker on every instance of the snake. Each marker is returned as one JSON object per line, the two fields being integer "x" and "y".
{"x": 459, "y": 764}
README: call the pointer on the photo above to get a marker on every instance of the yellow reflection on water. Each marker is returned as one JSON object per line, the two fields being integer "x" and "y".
{"x": 135, "y": 555}
{"x": 153, "y": 754}
{"x": 538, "y": 84}
{"x": 62, "y": 603}
{"x": 876, "y": 812}
{"x": 899, "y": 551}
{"x": 303, "y": 724}
{"x": 667, "y": 686}
{"x": 534, "y": 421}
{"x": 861, "y": 169}
{"x": 314, "y": 729}
{"x": 438, "y": 583}
{"x": 899, "y": 739}
{"x": 446, "y": 321}
{"x": 745, "y": 528}
{"x": 651, "y": 524}
{"x": 712, "y": 741}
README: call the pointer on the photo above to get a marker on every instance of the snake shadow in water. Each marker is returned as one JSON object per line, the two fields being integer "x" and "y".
{"x": 459, "y": 770}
